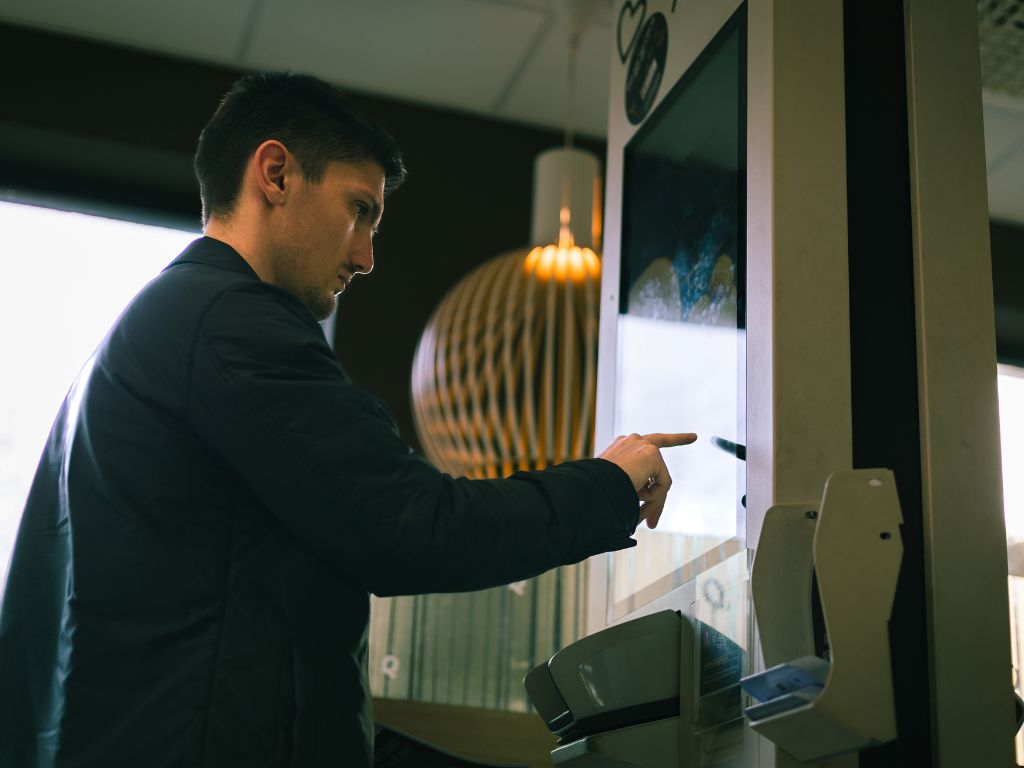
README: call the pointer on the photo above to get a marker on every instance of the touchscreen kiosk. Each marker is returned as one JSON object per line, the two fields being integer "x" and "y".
{"x": 680, "y": 354}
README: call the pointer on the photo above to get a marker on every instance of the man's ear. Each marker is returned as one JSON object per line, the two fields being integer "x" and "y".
{"x": 271, "y": 165}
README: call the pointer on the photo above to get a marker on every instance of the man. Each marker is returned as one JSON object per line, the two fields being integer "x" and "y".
{"x": 189, "y": 586}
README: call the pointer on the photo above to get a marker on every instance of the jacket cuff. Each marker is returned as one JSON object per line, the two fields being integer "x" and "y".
{"x": 618, "y": 490}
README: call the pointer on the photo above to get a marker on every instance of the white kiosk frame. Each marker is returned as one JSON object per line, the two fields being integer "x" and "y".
{"x": 800, "y": 426}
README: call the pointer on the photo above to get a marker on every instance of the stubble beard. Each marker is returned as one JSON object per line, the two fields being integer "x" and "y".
{"x": 318, "y": 300}
{"x": 319, "y": 303}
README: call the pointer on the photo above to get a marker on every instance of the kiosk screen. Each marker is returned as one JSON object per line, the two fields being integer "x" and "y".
{"x": 680, "y": 347}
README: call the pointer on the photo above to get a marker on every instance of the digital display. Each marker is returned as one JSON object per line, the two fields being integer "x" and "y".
{"x": 680, "y": 363}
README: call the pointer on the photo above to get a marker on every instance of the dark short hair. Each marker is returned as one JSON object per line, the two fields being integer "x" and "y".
{"x": 310, "y": 117}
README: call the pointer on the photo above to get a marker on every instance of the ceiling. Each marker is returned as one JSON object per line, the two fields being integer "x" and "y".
{"x": 502, "y": 58}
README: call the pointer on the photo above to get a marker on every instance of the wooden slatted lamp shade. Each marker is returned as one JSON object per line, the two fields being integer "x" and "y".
{"x": 504, "y": 375}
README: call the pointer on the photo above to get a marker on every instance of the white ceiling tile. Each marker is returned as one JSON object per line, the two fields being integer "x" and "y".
{"x": 1006, "y": 189}
{"x": 464, "y": 54}
{"x": 454, "y": 53}
{"x": 599, "y": 11}
{"x": 1004, "y": 129}
{"x": 537, "y": 5}
{"x": 196, "y": 29}
{"x": 540, "y": 94}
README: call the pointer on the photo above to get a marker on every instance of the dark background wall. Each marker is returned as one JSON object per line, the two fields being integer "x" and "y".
{"x": 1008, "y": 280}
{"x": 111, "y": 128}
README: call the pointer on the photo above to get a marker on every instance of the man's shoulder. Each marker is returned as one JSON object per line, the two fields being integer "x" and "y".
{"x": 182, "y": 293}
{"x": 205, "y": 272}
{"x": 212, "y": 293}
{"x": 169, "y": 310}
{"x": 197, "y": 283}
{"x": 206, "y": 266}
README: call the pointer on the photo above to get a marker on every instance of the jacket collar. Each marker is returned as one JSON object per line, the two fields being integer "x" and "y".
{"x": 214, "y": 253}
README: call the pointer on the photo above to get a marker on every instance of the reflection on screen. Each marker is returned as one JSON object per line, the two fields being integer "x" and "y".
{"x": 680, "y": 350}
{"x": 703, "y": 497}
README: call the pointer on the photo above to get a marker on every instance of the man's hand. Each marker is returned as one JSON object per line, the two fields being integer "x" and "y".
{"x": 640, "y": 457}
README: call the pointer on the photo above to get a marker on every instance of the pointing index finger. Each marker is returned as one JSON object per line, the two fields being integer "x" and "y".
{"x": 670, "y": 439}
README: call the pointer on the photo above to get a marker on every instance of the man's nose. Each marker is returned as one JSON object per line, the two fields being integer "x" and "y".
{"x": 363, "y": 257}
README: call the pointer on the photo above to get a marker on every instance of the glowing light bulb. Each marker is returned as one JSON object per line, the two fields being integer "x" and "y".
{"x": 563, "y": 261}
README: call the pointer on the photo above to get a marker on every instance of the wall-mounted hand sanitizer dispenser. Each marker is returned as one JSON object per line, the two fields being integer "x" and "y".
{"x": 831, "y": 693}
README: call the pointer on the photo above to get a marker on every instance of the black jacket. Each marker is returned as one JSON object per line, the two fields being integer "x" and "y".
{"x": 189, "y": 585}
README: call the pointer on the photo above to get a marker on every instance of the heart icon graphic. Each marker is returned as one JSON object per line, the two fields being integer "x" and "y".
{"x": 631, "y": 17}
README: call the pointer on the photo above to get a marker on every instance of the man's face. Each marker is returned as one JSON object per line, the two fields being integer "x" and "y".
{"x": 325, "y": 232}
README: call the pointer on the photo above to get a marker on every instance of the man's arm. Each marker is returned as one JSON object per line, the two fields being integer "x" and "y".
{"x": 270, "y": 399}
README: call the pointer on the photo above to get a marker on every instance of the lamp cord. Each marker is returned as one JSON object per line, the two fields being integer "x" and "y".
{"x": 565, "y": 238}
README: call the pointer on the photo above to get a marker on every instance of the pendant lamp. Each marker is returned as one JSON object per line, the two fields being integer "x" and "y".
{"x": 504, "y": 374}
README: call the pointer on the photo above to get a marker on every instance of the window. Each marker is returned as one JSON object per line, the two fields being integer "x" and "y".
{"x": 67, "y": 276}
{"x": 1011, "y": 429}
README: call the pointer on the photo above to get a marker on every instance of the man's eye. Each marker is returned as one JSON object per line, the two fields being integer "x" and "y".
{"x": 362, "y": 209}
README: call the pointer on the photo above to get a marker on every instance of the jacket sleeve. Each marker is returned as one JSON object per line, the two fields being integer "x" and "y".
{"x": 269, "y": 398}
